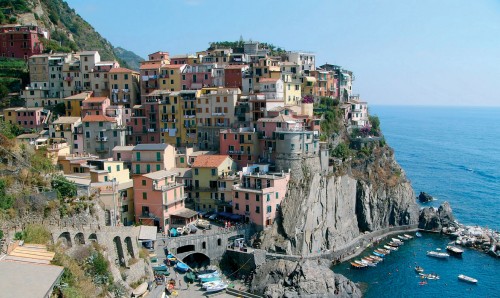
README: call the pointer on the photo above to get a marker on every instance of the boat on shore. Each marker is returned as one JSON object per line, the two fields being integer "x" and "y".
{"x": 181, "y": 267}
{"x": 140, "y": 290}
{"x": 439, "y": 255}
{"x": 454, "y": 250}
{"x": 419, "y": 269}
{"x": 218, "y": 287}
{"x": 467, "y": 279}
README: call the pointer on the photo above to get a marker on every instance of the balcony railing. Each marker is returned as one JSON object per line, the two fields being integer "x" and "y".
{"x": 101, "y": 139}
{"x": 218, "y": 114}
{"x": 189, "y": 116}
{"x": 168, "y": 186}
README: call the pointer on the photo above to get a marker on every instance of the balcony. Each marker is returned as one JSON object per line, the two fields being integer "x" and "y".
{"x": 151, "y": 130}
{"x": 204, "y": 189}
{"x": 236, "y": 152}
{"x": 125, "y": 90}
{"x": 114, "y": 90}
{"x": 168, "y": 186}
{"x": 191, "y": 135}
{"x": 101, "y": 139}
{"x": 218, "y": 114}
{"x": 189, "y": 116}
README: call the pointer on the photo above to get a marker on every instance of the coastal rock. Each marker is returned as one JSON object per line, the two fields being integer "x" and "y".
{"x": 309, "y": 278}
{"x": 326, "y": 210}
{"x": 433, "y": 219}
{"x": 424, "y": 197}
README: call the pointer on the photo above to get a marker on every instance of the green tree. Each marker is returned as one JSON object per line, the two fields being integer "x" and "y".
{"x": 6, "y": 200}
{"x": 375, "y": 123}
{"x": 341, "y": 151}
{"x": 64, "y": 187}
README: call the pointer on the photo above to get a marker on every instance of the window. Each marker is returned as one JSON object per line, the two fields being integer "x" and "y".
{"x": 269, "y": 209}
{"x": 204, "y": 245}
{"x": 157, "y": 167}
{"x": 109, "y": 169}
{"x": 138, "y": 156}
{"x": 268, "y": 198}
{"x": 158, "y": 156}
{"x": 277, "y": 195}
{"x": 257, "y": 198}
{"x": 236, "y": 195}
{"x": 137, "y": 169}
{"x": 115, "y": 133}
{"x": 196, "y": 171}
{"x": 237, "y": 206}
{"x": 105, "y": 178}
{"x": 144, "y": 182}
{"x": 214, "y": 172}
{"x": 144, "y": 195}
{"x": 182, "y": 159}
{"x": 118, "y": 168}
{"x": 247, "y": 196}
{"x": 148, "y": 168}
{"x": 247, "y": 208}
{"x": 219, "y": 242}
{"x": 101, "y": 124}
{"x": 87, "y": 134}
{"x": 125, "y": 76}
{"x": 87, "y": 124}
{"x": 225, "y": 136}
{"x": 257, "y": 209}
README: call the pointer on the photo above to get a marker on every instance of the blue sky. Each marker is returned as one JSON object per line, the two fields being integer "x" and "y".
{"x": 404, "y": 52}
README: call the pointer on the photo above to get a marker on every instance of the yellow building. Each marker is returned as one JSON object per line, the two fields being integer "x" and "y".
{"x": 74, "y": 103}
{"x": 208, "y": 170}
{"x": 171, "y": 77}
{"x": 308, "y": 85}
{"x": 215, "y": 110}
{"x": 124, "y": 86}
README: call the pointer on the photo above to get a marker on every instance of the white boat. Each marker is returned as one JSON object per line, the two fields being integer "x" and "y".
{"x": 429, "y": 276}
{"x": 397, "y": 240}
{"x": 418, "y": 234}
{"x": 402, "y": 237}
{"x": 216, "y": 288}
{"x": 368, "y": 263}
{"x": 419, "y": 269}
{"x": 202, "y": 223}
{"x": 390, "y": 247}
{"x": 208, "y": 275}
{"x": 467, "y": 278}
{"x": 439, "y": 255}
{"x": 454, "y": 250}
{"x": 180, "y": 231}
{"x": 211, "y": 283}
{"x": 140, "y": 290}
{"x": 408, "y": 236}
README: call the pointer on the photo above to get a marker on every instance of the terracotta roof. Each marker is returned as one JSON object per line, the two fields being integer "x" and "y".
{"x": 150, "y": 65}
{"x": 82, "y": 95}
{"x": 121, "y": 70}
{"x": 280, "y": 118}
{"x": 209, "y": 161}
{"x": 96, "y": 99}
{"x": 98, "y": 118}
{"x": 268, "y": 80}
{"x": 172, "y": 65}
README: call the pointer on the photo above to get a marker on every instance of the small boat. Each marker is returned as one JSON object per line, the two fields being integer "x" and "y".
{"x": 216, "y": 288}
{"x": 419, "y": 269}
{"x": 181, "y": 267}
{"x": 211, "y": 283}
{"x": 408, "y": 236}
{"x": 467, "y": 279}
{"x": 171, "y": 259}
{"x": 377, "y": 254}
{"x": 418, "y": 234}
{"x": 368, "y": 263}
{"x": 439, "y": 255}
{"x": 193, "y": 228}
{"x": 357, "y": 266}
{"x": 402, "y": 237}
{"x": 378, "y": 259}
{"x": 454, "y": 250}
{"x": 396, "y": 240}
{"x": 140, "y": 290}
{"x": 369, "y": 259}
{"x": 429, "y": 276}
{"x": 422, "y": 283}
{"x": 395, "y": 244}
{"x": 390, "y": 247}
{"x": 210, "y": 277}
{"x": 208, "y": 274}
{"x": 161, "y": 267}
{"x": 386, "y": 251}
{"x": 180, "y": 231}
{"x": 203, "y": 224}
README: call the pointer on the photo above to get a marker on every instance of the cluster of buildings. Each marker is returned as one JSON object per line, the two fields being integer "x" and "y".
{"x": 186, "y": 134}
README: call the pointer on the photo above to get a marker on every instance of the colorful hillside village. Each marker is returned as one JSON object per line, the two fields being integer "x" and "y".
{"x": 186, "y": 134}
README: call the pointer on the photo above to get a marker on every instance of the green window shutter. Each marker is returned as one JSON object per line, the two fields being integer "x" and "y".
{"x": 138, "y": 156}
{"x": 157, "y": 167}
{"x": 137, "y": 169}
{"x": 158, "y": 156}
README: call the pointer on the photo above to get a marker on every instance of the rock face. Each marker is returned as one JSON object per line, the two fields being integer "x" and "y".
{"x": 424, "y": 197}
{"x": 326, "y": 209}
{"x": 433, "y": 219}
{"x": 310, "y": 278}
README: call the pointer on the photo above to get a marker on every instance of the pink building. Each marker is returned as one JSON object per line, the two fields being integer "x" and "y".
{"x": 95, "y": 106}
{"x": 31, "y": 118}
{"x": 159, "y": 200}
{"x": 258, "y": 196}
{"x": 147, "y": 158}
{"x": 241, "y": 144}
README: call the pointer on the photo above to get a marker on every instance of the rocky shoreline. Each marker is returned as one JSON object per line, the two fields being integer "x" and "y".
{"x": 441, "y": 220}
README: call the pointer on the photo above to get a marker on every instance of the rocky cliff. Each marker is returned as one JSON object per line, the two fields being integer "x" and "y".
{"x": 326, "y": 208}
{"x": 281, "y": 278}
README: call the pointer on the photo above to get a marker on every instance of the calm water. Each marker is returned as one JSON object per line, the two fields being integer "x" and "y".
{"x": 454, "y": 155}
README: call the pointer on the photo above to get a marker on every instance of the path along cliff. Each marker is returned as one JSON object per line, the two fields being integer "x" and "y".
{"x": 328, "y": 207}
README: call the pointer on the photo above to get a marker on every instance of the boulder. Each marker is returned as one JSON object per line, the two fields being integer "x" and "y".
{"x": 309, "y": 278}
{"x": 424, "y": 197}
{"x": 433, "y": 219}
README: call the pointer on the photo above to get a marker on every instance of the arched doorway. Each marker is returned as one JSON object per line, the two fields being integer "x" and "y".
{"x": 130, "y": 248}
{"x": 93, "y": 237}
{"x": 119, "y": 251}
{"x": 197, "y": 260}
{"x": 79, "y": 239}
{"x": 65, "y": 239}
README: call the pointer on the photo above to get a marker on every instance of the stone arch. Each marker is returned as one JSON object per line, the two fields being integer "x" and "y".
{"x": 130, "y": 247}
{"x": 196, "y": 260}
{"x": 93, "y": 237}
{"x": 65, "y": 239}
{"x": 79, "y": 239}
{"x": 185, "y": 248}
{"x": 119, "y": 251}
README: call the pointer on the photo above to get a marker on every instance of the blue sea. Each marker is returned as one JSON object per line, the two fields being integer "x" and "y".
{"x": 452, "y": 153}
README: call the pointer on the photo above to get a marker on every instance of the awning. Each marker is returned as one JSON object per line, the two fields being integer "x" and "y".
{"x": 147, "y": 233}
{"x": 186, "y": 213}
